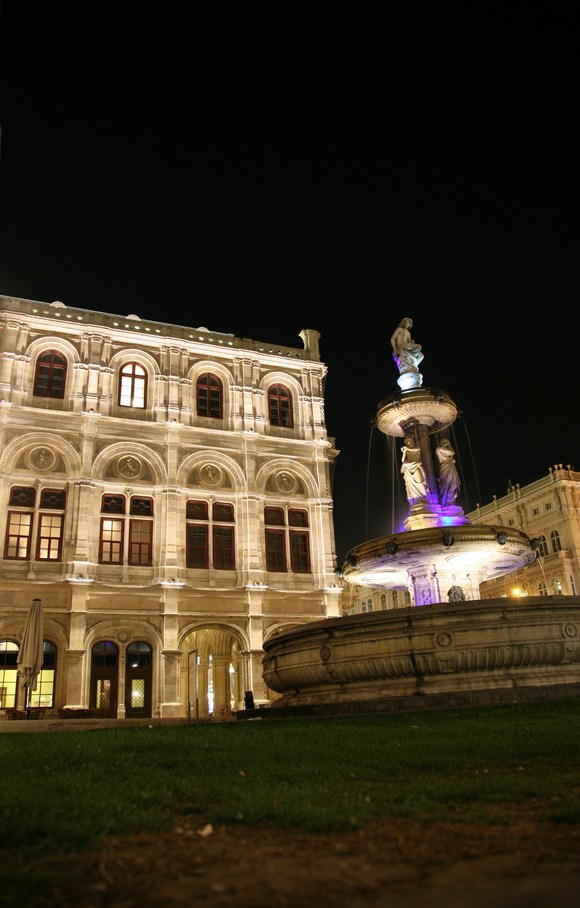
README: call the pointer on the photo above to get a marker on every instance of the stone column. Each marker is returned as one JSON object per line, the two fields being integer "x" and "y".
{"x": 171, "y": 705}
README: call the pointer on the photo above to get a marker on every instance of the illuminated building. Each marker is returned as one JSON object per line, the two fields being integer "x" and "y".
{"x": 166, "y": 494}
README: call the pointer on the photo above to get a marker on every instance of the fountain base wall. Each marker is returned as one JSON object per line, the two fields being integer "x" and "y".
{"x": 457, "y": 654}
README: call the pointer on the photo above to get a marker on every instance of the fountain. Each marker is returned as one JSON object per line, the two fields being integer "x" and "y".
{"x": 448, "y": 646}
{"x": 439, "y": 556}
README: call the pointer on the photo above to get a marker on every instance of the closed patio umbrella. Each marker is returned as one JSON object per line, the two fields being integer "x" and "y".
{"x": 30, "y": 655}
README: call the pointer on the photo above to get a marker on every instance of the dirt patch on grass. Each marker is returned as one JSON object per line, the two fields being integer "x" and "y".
{"x": 520, "y": 862}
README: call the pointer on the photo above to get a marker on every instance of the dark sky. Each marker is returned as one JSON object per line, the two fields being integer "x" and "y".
{"x": 261, "y": 173}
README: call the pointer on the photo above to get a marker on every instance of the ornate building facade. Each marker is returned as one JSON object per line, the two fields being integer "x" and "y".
{"x": 165, "y": 492}
{"x": 548, "y": 511}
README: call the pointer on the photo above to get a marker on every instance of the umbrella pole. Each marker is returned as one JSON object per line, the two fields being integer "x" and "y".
{"x": 28, "y": 702}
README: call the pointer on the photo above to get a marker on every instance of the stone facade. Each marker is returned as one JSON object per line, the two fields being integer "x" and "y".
{"x": 547, "y": 510}
{"x": 165, "y": 491}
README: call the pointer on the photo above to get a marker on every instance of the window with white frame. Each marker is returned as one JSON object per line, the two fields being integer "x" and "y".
{"x": 132, "y": 386}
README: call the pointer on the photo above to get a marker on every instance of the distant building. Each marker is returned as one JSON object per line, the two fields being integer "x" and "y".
{"x": 165, "y": 491}
{"x": 548, "y": 511}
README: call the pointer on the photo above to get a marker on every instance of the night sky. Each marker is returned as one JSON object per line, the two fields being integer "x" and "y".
{"x": 261, "y": 173}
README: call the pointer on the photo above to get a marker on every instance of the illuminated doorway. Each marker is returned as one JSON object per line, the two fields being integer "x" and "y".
{"x": 104, "y": 679}
{"x": 138, "y": 680}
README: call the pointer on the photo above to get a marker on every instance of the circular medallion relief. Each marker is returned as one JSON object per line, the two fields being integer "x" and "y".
{"x": 41, "y": 459}
{"x": 129, "y": 466}
{"x": 123, "y": 636}
{"x": 285, "y": 482}
{"x": 210, "y": 475}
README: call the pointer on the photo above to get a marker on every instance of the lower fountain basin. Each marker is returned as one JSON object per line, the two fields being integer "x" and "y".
{"x": 461, "y": 649}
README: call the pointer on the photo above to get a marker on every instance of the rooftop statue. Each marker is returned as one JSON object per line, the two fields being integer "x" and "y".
{"x": 407, "y": 355}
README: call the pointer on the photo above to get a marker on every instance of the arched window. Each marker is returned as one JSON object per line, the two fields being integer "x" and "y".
{"x": 8, "y": 673}
{"x": 9, "y": 687}
{"x": 138, "y": 655}
{"x": 383, "y": 602}
{"x": 543, "y": 546}
{"x": 132, "y": 386}
{"x": 50, "y": 375}
{"x": 209, "y": 396}
{"x": 138, "y": 679}
{"x": 555, "y": 540}
{"x": 542, "y": 589}
{"x": 280, "y": 406}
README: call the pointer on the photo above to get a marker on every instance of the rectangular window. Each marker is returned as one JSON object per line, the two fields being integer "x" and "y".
{"x": 113, "y": 504}
{"x": 53, "y": 498}
{"x": 210, "y": 543}
{"x": 275, "y": 550}
{"x": 18, "y": 533}
{"x": 48, "y": 546}
{"x": 299, "y": 552}
{"x": 197, "y": 554}
{"x": 223, "y": 548}
{"x": 223, "y": 512}
{"x": 132, "y": 543}
{"x": 283, "y": 545}
{"x": 274, "y": 517}
{"x": 297, "y": 518}
{"x": 142, "y": 507}
{"x": 111, "y": 541}
{"x": 140, "y": 535}
{"x": 22, "y": 498}
{"x": 196, "y": 510}
{"x": 50, "y": 526}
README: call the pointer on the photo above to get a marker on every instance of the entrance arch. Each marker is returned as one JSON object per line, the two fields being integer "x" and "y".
{"x": 213, "y": 673}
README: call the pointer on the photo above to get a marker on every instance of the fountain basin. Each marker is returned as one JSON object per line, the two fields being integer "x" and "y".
{"x": 462, "y": 649}
{"x": 430, "y": 561}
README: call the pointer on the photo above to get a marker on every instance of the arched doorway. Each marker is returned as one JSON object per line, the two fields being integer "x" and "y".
{"x": 104, "y": 679}
{"x": 213, "y": 673}
{"x": 138, "y": 674}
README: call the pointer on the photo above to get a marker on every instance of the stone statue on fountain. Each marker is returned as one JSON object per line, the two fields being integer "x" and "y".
{"x": 407, "y": 355}
{"x": 449, "y": 481}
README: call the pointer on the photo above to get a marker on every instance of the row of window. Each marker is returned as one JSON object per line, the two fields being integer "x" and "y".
{"x": 555, "y": 543}
{"x": 126, "y": 531}
{"x": 104, "y": 655}
{"x": 50, "y": 381}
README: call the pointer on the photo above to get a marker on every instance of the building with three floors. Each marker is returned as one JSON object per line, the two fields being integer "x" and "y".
{"x": 166, "y": 493}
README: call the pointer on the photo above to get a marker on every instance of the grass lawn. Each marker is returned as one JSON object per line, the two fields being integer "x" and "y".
{"x": 65, "y": 791}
